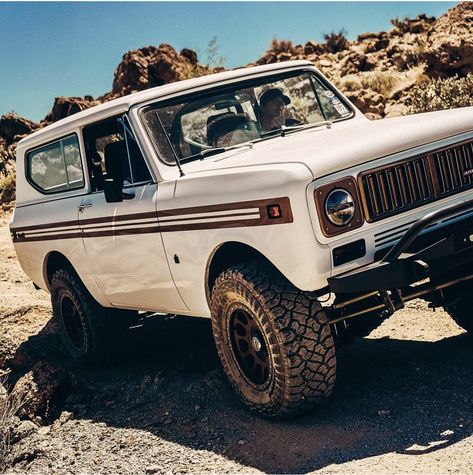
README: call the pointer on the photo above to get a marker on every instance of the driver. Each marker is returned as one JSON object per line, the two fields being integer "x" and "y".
{"x": 272, "y": 110}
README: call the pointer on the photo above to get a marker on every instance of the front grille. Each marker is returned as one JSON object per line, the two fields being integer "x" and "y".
{"x": 411, "y": 183}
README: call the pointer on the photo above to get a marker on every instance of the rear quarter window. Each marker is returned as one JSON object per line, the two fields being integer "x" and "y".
{"x": 56, "y": 167}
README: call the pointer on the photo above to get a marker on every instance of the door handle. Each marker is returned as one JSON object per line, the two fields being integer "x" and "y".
{"x": 82, "y": 206}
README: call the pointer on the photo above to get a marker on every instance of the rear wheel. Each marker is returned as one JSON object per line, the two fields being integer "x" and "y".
{"x": 89, "y": 332}
{"x": 274, "y": 341}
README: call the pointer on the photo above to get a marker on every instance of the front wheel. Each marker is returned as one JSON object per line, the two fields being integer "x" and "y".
{"x": 274, "y": 341}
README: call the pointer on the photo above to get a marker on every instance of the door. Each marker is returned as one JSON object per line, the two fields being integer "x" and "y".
{"x": 123, "y": 246}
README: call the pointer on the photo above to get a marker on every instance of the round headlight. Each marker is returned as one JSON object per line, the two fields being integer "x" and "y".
{"x": 339, "y": 207}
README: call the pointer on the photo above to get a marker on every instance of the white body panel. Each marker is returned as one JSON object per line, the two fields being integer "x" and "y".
{"x": 130, "y": 269}
{"x": 291, "y": 247}
{"x": 32, "y": 255}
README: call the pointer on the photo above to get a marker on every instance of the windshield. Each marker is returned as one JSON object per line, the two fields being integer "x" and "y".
{"x": 241, "y": 113}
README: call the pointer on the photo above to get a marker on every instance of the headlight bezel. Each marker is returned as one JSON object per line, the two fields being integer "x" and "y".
{"x": 322, "y": 192}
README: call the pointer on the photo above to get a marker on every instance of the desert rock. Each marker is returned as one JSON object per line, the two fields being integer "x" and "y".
{"x": 42, "y": 391}
{"x": 66, "y": 106}
{"x": 450, "y": 42}
{"x": 12, "y": 125}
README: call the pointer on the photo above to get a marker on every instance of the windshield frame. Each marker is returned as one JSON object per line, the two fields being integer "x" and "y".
{"x": 208, "y": 92}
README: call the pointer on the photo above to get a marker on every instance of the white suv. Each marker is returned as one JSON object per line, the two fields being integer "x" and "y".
{"x": 248, "y": 196}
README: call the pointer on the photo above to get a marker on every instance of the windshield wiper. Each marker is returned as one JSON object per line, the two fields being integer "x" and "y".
{"x": 216, "y": 150}
{"x": 209, "y": 152}
{"x": 290, "y": 128}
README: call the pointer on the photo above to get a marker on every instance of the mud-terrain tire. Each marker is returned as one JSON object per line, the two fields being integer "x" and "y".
{"x": 461, "y": 310}
{"x": 90, "y": 334}
{"x": 260, "y": 320}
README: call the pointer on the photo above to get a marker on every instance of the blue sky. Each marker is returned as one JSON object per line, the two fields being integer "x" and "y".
{"x": 73, "y": 48}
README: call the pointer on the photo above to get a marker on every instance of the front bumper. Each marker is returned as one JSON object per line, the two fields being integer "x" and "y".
{"x": 386, "y": 284}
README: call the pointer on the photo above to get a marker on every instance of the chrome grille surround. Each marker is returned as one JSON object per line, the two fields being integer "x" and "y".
{"x": 400, "y": 186}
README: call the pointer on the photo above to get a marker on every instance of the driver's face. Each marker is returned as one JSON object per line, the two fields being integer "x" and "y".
{"x": 275, "y": 106}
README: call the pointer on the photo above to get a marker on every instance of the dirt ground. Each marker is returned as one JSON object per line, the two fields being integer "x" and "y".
{"x": 403, "y": 402}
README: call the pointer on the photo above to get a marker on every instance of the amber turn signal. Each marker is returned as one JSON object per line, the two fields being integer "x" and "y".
{"x": 274, "y": 211}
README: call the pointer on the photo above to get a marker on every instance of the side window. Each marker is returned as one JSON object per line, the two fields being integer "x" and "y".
{"x": 109, "y": 144}
{"x": 57, "y": 166}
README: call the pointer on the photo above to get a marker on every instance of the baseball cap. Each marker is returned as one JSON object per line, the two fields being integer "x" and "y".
{"x": 271, "y": 94}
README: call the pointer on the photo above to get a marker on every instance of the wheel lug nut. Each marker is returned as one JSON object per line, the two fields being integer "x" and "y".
{"x": 256, "y": 343}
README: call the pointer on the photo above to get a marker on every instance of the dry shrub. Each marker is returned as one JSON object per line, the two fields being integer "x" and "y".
{"x": 7, "y": 188}
{"x": 9, "y": 406}
{"x": 440, "y": 94}
{"x": 282, "y": 46}
{"x": 336, "y": 41}
{"x": 402, "y": 25}
{"x": 215, "y": 62}
{"x": 381, "y": 82}
{"x": 190, "y": 71}
{"x": 416, "y": 25}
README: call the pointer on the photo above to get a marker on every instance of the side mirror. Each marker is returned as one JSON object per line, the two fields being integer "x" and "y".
{"x": 112, "y": 189}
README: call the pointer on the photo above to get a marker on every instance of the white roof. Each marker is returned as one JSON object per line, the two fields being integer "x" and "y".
{"x": 122, "y": 104}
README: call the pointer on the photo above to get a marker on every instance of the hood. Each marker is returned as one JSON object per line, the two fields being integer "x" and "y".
{"x": 348, "y": 143}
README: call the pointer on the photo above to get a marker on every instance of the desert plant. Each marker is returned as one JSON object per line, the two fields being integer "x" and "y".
{"x": 190, "y": 71}
{"x": 9, "y": 406}
{"x": 336, "y": 41}
{"x": 214, "y": 61}
{"x": 416, "y": 25}
{"x": 440, "y": 94}
{"x": 401, "y": 25}
{"x": 282, "y": 46}
{"x": 214, "y": 58}
{"x": 381, "y": 82}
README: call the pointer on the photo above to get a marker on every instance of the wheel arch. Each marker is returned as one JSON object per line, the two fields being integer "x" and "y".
{"x": 224, "y": 256}
{"x": 54, "y": 261}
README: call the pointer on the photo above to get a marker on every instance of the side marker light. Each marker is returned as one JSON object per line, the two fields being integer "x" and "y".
{"x": 274, "y": 211}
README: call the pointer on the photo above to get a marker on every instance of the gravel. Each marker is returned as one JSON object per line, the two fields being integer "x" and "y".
{"x": 403, "y": 401}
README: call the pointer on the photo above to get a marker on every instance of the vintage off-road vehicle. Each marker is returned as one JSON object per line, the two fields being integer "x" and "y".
{"x": 261, "y": 198}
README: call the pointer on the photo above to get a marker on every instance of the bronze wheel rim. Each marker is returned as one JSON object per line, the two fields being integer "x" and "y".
{"x": 249, "y": 347}
{"x": 72, "y": 322}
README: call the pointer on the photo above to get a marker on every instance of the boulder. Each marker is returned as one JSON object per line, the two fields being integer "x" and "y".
{"x": 450, "y": 43}
{"x": 164, "y": 66}
{"x": 190, "y": 56}
{"x": 367, "y": 36}
{"x": 66, "y": 106}
{"x": 12, "y": 125}
{"x": 367, "y": 101}
{"x": 154, "y": 66}
{"x": 394, "y": 109}
{"x": 312, "y": 47}
{"x": 3, "y": 156}
{"x": 42, "y": 391}
{"x": 22, "y": 430}
{"x": 132, "y": 73}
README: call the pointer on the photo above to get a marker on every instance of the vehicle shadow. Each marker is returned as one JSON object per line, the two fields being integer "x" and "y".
{"x": 401, "y": 396}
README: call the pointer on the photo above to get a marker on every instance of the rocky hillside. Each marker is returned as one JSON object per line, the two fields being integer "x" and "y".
{"x": 380, "y": 72}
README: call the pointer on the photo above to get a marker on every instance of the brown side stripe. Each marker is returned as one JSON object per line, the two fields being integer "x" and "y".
{"x": 104, "y": 219}
{"x": 224, "y": 207}
{"x": 19, "y": 234}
